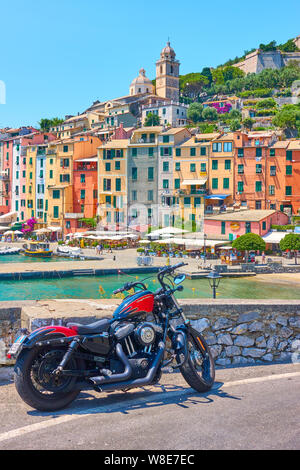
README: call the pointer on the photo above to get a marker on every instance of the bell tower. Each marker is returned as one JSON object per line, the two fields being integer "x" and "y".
{"x": 167, "y": 74}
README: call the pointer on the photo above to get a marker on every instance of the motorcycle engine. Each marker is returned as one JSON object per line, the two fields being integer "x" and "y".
{"x": 138, "y": 342}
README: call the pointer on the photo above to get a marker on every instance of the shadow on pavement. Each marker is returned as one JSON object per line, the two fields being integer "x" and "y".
{"x": 116, "y": 402}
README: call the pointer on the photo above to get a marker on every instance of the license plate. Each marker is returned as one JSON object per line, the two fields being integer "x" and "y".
{"x": 17, "y": 345}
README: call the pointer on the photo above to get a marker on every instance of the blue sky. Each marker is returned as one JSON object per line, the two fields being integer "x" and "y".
{"x": 58, "y": 57}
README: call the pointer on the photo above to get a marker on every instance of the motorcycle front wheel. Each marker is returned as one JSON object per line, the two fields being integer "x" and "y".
{"x": 199, "y": 369}
{"x": 35, "y": 383}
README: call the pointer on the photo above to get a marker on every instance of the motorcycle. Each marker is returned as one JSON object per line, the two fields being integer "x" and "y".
{"x": 132, "y": 349}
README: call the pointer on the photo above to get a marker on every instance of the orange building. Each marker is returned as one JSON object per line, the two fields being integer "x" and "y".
{"x": 251, "y": 173}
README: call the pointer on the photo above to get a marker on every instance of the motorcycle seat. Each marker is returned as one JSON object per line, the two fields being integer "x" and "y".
{"x": 93, "y": 328}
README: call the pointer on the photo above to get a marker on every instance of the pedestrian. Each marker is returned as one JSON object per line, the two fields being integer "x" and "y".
{"x": 263, "y": 257}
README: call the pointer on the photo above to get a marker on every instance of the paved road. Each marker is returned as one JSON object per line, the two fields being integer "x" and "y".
{"x": 249, "y": 408}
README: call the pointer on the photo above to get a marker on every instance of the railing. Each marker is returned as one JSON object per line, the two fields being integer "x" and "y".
{"x": 196, "y": 192}
{"x": 51, "y": 152}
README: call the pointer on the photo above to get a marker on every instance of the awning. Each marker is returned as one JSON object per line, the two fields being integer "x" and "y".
{"x": 87, "y": 160}
{"x": 217, "y": 196}
{"x": 194, "y": 182}
{"x": 274, "y": 237}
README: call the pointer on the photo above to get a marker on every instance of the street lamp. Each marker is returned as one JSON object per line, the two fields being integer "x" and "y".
{"x": 214, "y": 281}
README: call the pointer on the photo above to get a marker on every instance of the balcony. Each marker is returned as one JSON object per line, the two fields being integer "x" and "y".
{"x": 51, "y": 152}
{"x": 74, "y": 215}
{"x": 4, "y": 177}
{"x": 192, "y": 192}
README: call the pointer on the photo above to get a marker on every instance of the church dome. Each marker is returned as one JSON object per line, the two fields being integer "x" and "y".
{"x": 141, "y": 84}
{"x": 168, "y": 52}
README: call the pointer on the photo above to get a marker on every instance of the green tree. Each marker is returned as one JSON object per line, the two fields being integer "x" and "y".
{"x": 46, "y": 124}
{"x": 248, "y": 123}
{"x": 235, "y": 114}
{"x": 194, "y": 112}
{"x": 291, "y": 242}
{"x": 266, "y": 103}
{"x": 234, "y": 124}
{"x": 152, "y": 120}
{"x": 288, "y": 118}
{"x": 249, "y": 242}
{"x": 210, "y": 114}
{"x": 191, "y": 85}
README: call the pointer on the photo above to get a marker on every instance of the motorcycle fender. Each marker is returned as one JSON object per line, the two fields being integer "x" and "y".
{"x": 47, "y": 333}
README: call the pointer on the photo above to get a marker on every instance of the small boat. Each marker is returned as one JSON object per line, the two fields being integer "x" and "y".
{"x": 9, "y": 250}
{"x": 38, "y": 249}
{"x": 64, "y": 250}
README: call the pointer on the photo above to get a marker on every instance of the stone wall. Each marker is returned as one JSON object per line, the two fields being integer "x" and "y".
{"x": 238, "y": 331}
{"x": 249, "y": 332}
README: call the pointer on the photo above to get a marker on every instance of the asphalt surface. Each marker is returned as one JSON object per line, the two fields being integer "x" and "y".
{"x": 248, "y": 408}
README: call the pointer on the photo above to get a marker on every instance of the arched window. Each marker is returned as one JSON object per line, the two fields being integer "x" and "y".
{"x": 161, "y": 69}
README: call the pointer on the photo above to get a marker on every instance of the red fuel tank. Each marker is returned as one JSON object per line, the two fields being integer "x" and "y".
{"x": 137, "y": 304}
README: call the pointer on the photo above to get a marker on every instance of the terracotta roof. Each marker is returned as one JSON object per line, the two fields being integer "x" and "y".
{"x": 294, "y": 145}
{"x": 175, "y": 130}
{"x": 281, "y": 144}
{"x": 117, "y": 143}
{"x": 251, "y": 215}
{"x": 229, "y": 136}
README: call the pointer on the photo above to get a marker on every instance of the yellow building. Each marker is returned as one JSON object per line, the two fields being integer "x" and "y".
{"x": 112, "y": 182}
{"x": 190, "y": 166}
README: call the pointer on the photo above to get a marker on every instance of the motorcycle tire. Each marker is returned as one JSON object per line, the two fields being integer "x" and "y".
{"x": 199, "y": 369}
{"x": 26, "y": 372}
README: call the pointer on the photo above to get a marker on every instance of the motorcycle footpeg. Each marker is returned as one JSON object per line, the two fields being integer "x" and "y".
{"x": 167, "y": 369}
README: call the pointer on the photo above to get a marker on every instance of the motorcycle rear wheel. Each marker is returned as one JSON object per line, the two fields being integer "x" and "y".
{"x": 35, "y": 384}
{"x": 199, "y": 369}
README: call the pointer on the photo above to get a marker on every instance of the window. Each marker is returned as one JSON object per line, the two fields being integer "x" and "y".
{"x": 223, "y": 228}
{"x": 227, "y": 147}
{"x": 225, "y": 183}
{"x": 272, "y": 170}
{"x": 217, "y": 147}
{"x": 107, "y": 166}
{"x": 150, "y": 195}
{"x": 150, "y": 151}
{"x": 66, "y": 148}
{"x": 82, "y": 178}
{"x": 192, "y": 167}
{"x": 258, "y": 205}
{"x": 258, "y": 168}
{"x": 193, "y": 152}
{"x": 264, "y": 225}
{"x": 117, "y": 165}
{"x": 55, "y": 212}
{"x": 165, "y": 166}
{"x": 68, "y": 224}
{"x": 177, "y": 166}
{"x": 240, "y": 187}
{"x": 82, "y": 194}
{"x": 289, "y": 155}
{"x": 215, "y": 183}
{"x": 271, "y": 190}
{"x": 65, "y": 162}
{"x": 288, "y": 190}
{"x": 165, "y": 151}
{"x": 288, "y": 170}
{"x": 248, "y": 227}
{"x": 258, "y": 152}
{"x": 177, "y": 183}
{"x": 134, "y": 195}
{"x": 150, "y": 173}
{"x": 178, "y": 152}
{"x": 166, "y": 138}
{"x": 272, "y": 152}
{"x": 118, "y": 184}
{"x": 106, "y": 184}
{"x": 241, "y": 169}
{"x": 203, "y": 167}
{"x": 134, "y": 152}
{"x": 51, "y": 174}
{"x": 227, "y": 164}
{"x": 187, "y": 201}
{"x": 134, "y": 173}
{"x": 258, "y": 186}
{"x": 214, "y": 164}
{"x": 166, "y": 184}
{"x": 56, "y": 194}
{"x": 240, "y": 152}
{"x": 95, "y": 194}
{"x": 202, "y": 151}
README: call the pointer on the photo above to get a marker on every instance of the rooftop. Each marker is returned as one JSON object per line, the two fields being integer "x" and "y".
{"x": 251, "y": 215}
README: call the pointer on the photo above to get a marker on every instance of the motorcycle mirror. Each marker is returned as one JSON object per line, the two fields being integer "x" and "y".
{"x": 179, "y": 279}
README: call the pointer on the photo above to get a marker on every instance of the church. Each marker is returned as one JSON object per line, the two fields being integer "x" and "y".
{"x": 161, "y": 98}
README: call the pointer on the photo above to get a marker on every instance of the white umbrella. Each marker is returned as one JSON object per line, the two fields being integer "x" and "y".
{"x": 8, "y": 232}
{"x": 166, "y": 231}
{"x": 17, "y": 232}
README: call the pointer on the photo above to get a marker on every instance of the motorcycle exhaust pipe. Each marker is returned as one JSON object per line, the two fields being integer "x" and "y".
{"x": 115, "y": 377}
{"x": 105, "y": 387}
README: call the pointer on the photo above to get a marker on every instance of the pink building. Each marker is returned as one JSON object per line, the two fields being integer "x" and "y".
{"x": 231, "y": 224}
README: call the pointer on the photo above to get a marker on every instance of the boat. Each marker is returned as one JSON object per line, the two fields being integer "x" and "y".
{"x": 73, "y": 252}
{"x": 38, "y": 249}
{"x": 9, "y": 250}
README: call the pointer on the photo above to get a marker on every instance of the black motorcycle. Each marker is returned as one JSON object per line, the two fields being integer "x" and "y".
{"x": 129, "y": 350}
